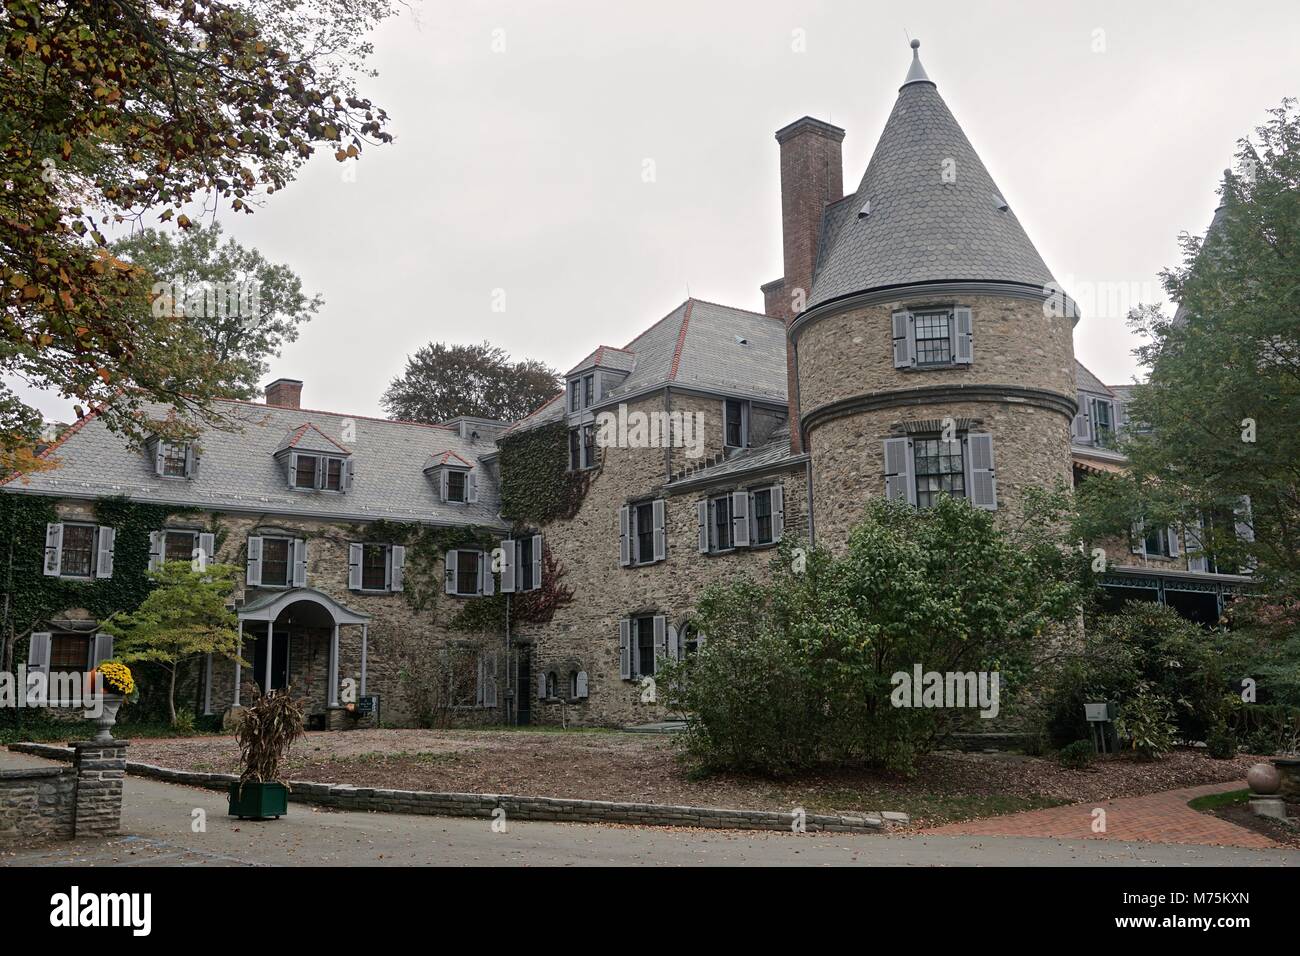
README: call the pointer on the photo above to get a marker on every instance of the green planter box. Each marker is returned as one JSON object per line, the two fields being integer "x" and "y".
{"x": 259, "y": 801}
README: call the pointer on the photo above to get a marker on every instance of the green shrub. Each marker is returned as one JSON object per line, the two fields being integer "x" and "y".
{"x": 1077, "y": 755}
{"x": 1146, "y": 723}
{"x": 1221, "y": 744}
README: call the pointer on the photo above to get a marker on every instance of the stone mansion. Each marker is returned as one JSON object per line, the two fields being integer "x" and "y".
{"x": 915, "y": 346}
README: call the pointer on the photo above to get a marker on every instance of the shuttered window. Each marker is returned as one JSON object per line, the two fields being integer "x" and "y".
{"x": 457, "y": 485}
{"x": 933, "y": 338}
{"x": 645, "y": 645}
{"x": 304, "y": 475}
{"x": 174, "y": 460}
{"x": 720, "y": 523}
{"x": 467, "y": 573}
{"x": 736, "y": 436}
{"x": 78, "y": 550}
{"x": 644, "y": 538}
{"x": 70, "y": 652}
{"x": 179, "y": 546}
{"x": 374, "y": 567}
{"x": 524, "y": 564}
{"x": 277, "y": 554}
{"x": 762, "y": 516}
{"x": 939, "y": 470}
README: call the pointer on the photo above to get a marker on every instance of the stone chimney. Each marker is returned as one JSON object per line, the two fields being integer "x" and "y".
{"x": 812, "y": 175}
{"x": 284, "y": 393}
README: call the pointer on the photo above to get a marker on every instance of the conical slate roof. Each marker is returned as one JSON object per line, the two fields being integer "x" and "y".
{"x": 934, "y": 211}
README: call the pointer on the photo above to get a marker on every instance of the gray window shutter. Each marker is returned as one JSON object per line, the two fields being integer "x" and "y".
{"x": 471, "y": 486}
{"x": 541, "y": 686}
{"x": 450, "y": 560}
{"x": 904, "y": 343}
{"x": 581, "y": 691}
{"x": 1172, "y": 534}
{"x": 397, "y": 568}
{"x": 980, "y": 471}
{"x": 659, "y": 510}
{"x": 1079, "y": 428}
{"x": 485, "y": 582}
{"x": 442, "y": 483}
{"x": 1244, "y": 521}
{"x": 38, "y": 653}
{"x": 1192, "y": 536}
{"x": 355, "y": 552}
{"x": 744, "y": 424}
{"x": 660, "y": 636}
{"x": 479, "y": 666}
{"x": 702, "y": 520}
{"x": 102, "y": 650}
{"x": 1139, "y": 538}
{"x": 740, "y": 519}
{"x": 318, "y": 473}
{"x": 254, "y": 573}
{"x": 674, "y": 643}
{"x": 191, "y": 462}
{"x": 537, "y": 561}
{"x": 299, "y": 562}
{"x": 778, "y": 512}
{"x": 508, "y": 558}
{"x": 53, "y": 548}
{"x": 291, "y": 468}
{"x": 624, "y": 649}
{"x": 156, "y": 549}
{"x": 624, "y": 536}
{"x": 208, "y": 545}
{"x": 159, "y": 458}
{"x": 900, "y": 483}
{"x": 104, "y": 558}
{"x": 963, "y": 332}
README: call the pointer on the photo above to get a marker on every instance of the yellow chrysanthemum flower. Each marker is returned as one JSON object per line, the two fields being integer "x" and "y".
{"x": 118, "y": 677}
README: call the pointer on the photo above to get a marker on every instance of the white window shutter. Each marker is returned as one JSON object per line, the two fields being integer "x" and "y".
{"x": 980, "y": 469}
{"x": 900, "y": 485}
{"x": 156, "y": 549}
{"x": 624, "y": 649}
{"x": 537, "y": 561}
{"x": 102, "y": 649}
{"x": 624, "y": 536}
{"x": 904, "y": 343}
{"x": 659, "y": 510}
{"x": 508, "y": 559}
{"x": 471, "y": 486}
{"x": 1244, "y": 521}
{"x": 253, "y": 574}
{"x": 702, "y": 520}
{"x": 740, "y": 519}
{"x": 208, "y": 545}
{"x": 1192, "y": 538}
{"x": 964, "y": 351}
{"x": 442, "y": 484}
{"x": 355, "y": 552}
{"x": 674, "y": 643}
{"x": 291, "y": 468}
{"x": 1172, "y": 534}
{"x": 318, "y": 473}
{"x": 485, "y": 582}
{"x": 53, "y": 548}
{"x": 105, "y": 540}
{"x": 1139, "y": 538}
{"x": 159, "y": 456}
{"x": 38, "y": 653}
{"x": 450, "y": 560}
{"x": 581, "y": 691}
{"x": 299, "y": 562}
{"x": 397, "y": 569}
{"x": 778, "y": 512}
{"x": 660, "y": 636}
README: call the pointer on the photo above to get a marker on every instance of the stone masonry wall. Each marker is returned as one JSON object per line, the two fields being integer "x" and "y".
{"x": 587, "y": 546}
{"x": 37, "y": 804}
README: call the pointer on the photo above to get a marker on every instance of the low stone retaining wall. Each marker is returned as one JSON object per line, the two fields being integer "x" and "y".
{"x": 59, "y": 803}
{"x": 348, "y": 797}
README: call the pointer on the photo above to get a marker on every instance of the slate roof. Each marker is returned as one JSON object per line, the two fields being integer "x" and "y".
{"x": 1087, "y": 381}
{"x": 772, "y": 454}
{"x": 307, "y": 437}
{"x": 920, "y": 228}
{"x": 606, "y": 356}
{"x": 699, "y": 344}
{"x": 238, "y": 470}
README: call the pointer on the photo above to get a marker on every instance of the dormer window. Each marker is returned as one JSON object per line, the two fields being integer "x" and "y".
{"x": 457, "y": 485}
{"x": 174, "y": 459}
{"x": 313, "y": 461}
{"x": 453, "y": 476}
{"x": 737, "y": 424}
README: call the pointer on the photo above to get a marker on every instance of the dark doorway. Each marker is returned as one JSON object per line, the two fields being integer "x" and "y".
{"x": 1198, "y": 606}
{"x": 279, "y": 661}
{"x": 523, "y": 687}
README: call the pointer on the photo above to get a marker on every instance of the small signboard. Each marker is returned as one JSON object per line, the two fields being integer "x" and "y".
{"x": 366, "y": 705}
{"x": 1100, "y": 712}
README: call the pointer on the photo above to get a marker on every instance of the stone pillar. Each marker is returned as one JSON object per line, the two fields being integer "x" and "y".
{"x": 101, "y": 773}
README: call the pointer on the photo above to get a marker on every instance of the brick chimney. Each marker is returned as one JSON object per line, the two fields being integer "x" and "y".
{"x": 284, "y": 393}
{"x": 812, "y": 175}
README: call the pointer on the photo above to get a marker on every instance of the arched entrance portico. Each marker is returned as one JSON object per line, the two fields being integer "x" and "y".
{"x": 274, "y": 622}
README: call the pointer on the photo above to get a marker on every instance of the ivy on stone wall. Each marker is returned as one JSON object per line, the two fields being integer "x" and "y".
{"x": 488, "y": 614}
{"x": 425, "y": 545}
{"x": 536, "y": 484}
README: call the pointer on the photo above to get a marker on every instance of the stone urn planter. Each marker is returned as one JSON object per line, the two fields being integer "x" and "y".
{"x": 105, "y": 716}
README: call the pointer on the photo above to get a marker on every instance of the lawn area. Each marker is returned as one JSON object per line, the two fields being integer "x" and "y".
{"x": 611, "y": 765}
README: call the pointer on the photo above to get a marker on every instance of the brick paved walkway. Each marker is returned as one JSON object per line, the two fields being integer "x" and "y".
{"x": 1154, "y": 818}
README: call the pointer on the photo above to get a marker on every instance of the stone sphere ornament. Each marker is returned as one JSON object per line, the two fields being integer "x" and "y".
{"x": 1264, "y": 779}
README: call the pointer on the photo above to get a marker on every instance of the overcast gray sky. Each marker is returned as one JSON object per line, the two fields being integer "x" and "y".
{"x": 1106, "y": 124}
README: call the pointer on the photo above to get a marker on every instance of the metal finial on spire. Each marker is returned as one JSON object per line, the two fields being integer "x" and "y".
{"x": 917, "y": 72}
